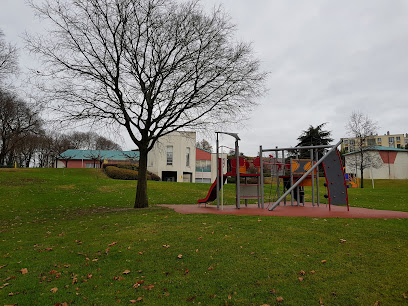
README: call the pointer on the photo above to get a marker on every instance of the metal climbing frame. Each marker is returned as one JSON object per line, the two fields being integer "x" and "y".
{"x": 332, "y": 177}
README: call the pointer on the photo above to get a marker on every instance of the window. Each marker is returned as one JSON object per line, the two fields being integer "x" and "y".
{"x": 371, "y": 142}
{"x": 169, "y": 155}
{"x": 187, "y": 157}
{"x": 397, "y": 138}
{"x": 379, "y": 140}
{"x": 398, "y": 146}
{"x": 203, "y": 165}
{"x": 352, "y": 142}
{"x": 391, "y": 139}
{"x": 345, "y": 141}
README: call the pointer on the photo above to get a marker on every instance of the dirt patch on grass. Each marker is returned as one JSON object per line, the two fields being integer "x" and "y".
{"x": 67, "y": 187}
{"x": 21, "y": 182}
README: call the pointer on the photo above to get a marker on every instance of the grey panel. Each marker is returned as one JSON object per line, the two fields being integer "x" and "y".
{"x": 336, "y": 185}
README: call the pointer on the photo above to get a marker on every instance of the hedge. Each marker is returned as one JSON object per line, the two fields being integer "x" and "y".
{"x": 126, "y": 172}
{"x": 121, "y": 174}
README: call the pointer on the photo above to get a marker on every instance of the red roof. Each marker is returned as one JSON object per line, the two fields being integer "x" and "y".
{"x": 202, "y": 154}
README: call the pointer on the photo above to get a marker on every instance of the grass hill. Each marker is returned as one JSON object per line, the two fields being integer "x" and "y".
{"x": 71, "y": 236}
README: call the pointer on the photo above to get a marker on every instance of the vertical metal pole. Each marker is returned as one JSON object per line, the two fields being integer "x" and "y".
{"x": 218, "y": 174}
{"x": 283, "y": 174}
{"x": 291, "y": 183}
{"x": 313, "y": 178}
{"x": 261, "y": 177}
{"x": 277, "y": 172}
{"x": 317, "y": 180}
{"x": 238, "y": 200}
{"x": 297, "y": 189}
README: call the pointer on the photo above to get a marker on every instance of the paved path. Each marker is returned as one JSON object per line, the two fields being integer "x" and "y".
{"x": 290, "y": 211}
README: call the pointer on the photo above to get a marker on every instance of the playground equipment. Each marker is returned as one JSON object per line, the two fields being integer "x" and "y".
{"x": 305, "y": 173}
{"x": 238, "y": 168}
{"x": 302, "y": 173}
{"x": 351, "y": 180}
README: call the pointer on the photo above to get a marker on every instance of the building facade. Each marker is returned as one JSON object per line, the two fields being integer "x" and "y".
{"x": 206, "y": 167}
{"x": 94, "y": 158}
{"x": 173, "y": 157}
{"x": 387, "y": 163}
{"x": 398, "y": 141}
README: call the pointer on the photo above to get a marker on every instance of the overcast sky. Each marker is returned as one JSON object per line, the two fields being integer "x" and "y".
{"x": 326, "y": 58}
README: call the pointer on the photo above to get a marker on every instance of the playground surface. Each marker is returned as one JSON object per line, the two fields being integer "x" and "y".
{"x": 291, "y": 211}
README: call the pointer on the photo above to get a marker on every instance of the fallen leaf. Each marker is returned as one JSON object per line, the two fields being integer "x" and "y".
{"x": 166, "y": 246}
{"x": 301, "y": 272}
{"x": 186, "y": 271}
{"x": 199, "y": 238}
{"x": 96, "y": 259}
{"x": 279, "y": 299}
{"x": 3, "y": 266}
{"x": 321, "y": 301}
{"x": 126, "y": 272}
{"x": 210, "y": 268}
{"x": 377, "y": 303}
{"x": 4, "y": 285}
{"x": 343, "y": 240}
{"x": 24, "y": 271}
{"x": 405, "y": 295}
{"x": 191, "y": 298}
{"x": 312, "y": 272}
{"x": 324, "y": 261}
{"x": 300, "y": 279}
{"x": 53, "y": 290}
{"x": 112, "y": 244}
{"x": 148, "y": 287}
{"x": 179, "y": 256}
{"x": 272, "y": 291}
{"x": 89, "y": 276}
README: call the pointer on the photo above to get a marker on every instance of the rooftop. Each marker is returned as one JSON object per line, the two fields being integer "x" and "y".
{"x": 100, "y": 154}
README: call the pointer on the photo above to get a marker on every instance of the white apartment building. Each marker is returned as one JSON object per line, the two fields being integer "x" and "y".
{"x": 173, "y": 157}
{"x": 398, "y": 141}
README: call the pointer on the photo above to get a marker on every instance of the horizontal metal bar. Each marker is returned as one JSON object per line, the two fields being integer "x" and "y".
{"x": 301, "y": 148}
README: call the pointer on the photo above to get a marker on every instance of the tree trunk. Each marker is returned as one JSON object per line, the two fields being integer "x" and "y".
{"x": 141, "y": 200}
{"x": 362, "y": 171}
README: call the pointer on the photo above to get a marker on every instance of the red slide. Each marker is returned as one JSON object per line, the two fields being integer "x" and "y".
{"x": 212, "y": 193}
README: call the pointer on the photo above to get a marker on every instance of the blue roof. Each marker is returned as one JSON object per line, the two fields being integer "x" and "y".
{"x": 379, "y": 148}
{"x": 100, "y": 154}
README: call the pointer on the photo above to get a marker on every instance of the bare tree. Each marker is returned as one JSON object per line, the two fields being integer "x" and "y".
{"x": 8, "y": 58}
{"x": 205, "y": 145}
{"x": 150, "y": 66}
{"x": 102, "y": 143}
{"x": 362, "y": 129}
{"x": 18, "y": 120}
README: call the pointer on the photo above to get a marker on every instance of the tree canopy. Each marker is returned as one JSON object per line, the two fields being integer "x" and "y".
{"x": 150, "y": 66}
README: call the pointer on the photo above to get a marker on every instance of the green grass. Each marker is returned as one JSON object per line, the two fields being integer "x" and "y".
{"x": 74, "y": 230}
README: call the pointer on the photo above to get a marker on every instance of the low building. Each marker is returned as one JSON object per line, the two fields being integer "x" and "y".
{"x": 206, "y": 167}
{"x": 398, "y": 141}
{"x": 388, "y": 163}
{"x": 173, "y": 157}
{"x": 94, "y": 158}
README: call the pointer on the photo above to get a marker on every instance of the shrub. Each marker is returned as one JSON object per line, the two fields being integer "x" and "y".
{"x": 154, "y": 177}
{"x": 121, "y": 174}
{"x": 127, "y": 172}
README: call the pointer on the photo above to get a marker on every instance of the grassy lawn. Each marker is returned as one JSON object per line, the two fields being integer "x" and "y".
{"x": 70, "y": 236}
